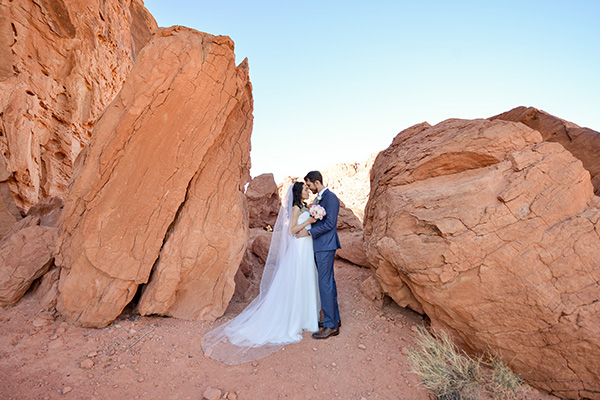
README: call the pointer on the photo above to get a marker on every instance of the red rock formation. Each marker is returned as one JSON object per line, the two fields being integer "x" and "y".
{"x": 160, "y": 188}
{"x": 61, "y": 63}
{"x": 494, "y": 233}
{"x": 25, "y": 255}
{"x": 353, "y": 248}
{"x": 583, "y": 143}
{"x": 26, "y": 251}
{"x": 263, "y": 201}
{"x": 347, "y": 220}
{"x": 47, "y": 291}
{"x": 49, "y": 211}
{"x": 9, "y": 213}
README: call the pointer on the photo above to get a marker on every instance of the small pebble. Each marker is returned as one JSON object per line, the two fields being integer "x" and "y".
{"x": 66, "y": 389}
{"x": 362, "y": 346}
{"x": 211, "y": 394}
{"x": 86, "y": 364}
{"x": 140, "y": 379}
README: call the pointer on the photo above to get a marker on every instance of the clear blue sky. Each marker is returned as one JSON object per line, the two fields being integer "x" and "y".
{"x": 335, "y": 81}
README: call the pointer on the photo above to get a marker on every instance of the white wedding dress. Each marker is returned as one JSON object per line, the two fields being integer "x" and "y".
{"x": 287, "y": 305}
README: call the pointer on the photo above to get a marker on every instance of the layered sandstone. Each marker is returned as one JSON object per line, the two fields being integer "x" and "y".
{"x": 61, "y": 63}
{"x": 25, "y": 256}
{"x": 494, "y": 234}
{"x": 583, "y": 143}
{"x": 27, "y": 252}
{"x": 157, "y": 196}
{"x": 9, "y": 213}
{"x": 263, "y": 201}
{"x": 353, "y": 248}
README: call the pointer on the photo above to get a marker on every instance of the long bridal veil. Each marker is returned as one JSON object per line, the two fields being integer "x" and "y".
{"x": 228, "y": 343}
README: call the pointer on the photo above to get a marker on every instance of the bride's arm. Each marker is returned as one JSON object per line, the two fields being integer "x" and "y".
{"x": 295, "y": 227}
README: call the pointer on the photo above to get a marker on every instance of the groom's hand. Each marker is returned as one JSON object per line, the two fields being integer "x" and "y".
{"x": 302, "y": 233}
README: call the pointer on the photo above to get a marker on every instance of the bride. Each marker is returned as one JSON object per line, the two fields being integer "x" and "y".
{"x": 288, "y": 302}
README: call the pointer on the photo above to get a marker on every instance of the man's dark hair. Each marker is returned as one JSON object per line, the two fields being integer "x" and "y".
{"x": 314, "y": 176}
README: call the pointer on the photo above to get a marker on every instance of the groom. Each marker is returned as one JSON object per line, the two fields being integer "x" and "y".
{"x": 325, "y": 243}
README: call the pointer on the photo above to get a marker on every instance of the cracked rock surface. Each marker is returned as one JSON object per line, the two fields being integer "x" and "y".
{"x": 583, "y": 143}
{"x": 61, "y": 63}
{"x": 495, "y": 235}
{"x": 157, "y": 196}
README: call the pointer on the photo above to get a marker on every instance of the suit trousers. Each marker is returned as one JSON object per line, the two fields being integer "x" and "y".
{"x": 327, "y": 288}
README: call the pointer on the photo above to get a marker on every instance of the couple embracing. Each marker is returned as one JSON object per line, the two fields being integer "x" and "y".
{"x": 297, "y": 284}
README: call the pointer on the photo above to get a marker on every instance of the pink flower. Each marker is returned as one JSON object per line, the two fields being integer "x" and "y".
{"x": 317, "y": 212}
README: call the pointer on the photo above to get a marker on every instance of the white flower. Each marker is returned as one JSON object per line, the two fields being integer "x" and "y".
{"x": 317, "y": 212}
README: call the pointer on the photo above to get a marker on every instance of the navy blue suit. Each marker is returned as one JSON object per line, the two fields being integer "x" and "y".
{"x": 325, "y": 243}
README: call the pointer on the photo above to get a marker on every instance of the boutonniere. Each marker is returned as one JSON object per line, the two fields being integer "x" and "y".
{"x": 319, "y": 197}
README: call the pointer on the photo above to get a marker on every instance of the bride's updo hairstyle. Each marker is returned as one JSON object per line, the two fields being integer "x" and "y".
{"x": 297, "y": 195}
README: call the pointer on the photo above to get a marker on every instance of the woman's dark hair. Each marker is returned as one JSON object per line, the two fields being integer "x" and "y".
{"x": 297, "y": 195}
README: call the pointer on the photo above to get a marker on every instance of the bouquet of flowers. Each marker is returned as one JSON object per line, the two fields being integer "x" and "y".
{"x": 317, "y": 212}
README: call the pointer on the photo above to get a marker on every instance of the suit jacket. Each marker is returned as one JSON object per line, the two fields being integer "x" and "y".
{"x": 324, "y": 232}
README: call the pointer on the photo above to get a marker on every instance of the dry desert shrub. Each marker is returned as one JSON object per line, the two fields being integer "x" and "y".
{"x": 450, "y": 374}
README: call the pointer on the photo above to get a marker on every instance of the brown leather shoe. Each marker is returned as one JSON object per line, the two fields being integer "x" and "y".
{"x": 324, "y": 333}
{"x": 339, "y": 323}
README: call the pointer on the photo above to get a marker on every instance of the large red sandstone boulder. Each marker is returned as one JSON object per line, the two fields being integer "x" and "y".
{"x": 26, "y": 253}
{"x": 25, "y": 256}
{"x": 263, "y": 201}
{"x": 347, "y": 220}
{"x": 353, "y": 248}
{"x": 157, "y": 197}
{"x": 61, "y": 63}
{"x": 583, "y": 143}
{"x": 495, "y": 234}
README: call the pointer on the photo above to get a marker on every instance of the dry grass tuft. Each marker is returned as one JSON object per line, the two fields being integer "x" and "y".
{"x": 451, "y": 374}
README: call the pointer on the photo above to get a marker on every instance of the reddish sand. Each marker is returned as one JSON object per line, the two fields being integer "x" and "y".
{"x": 42, "y": 357}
